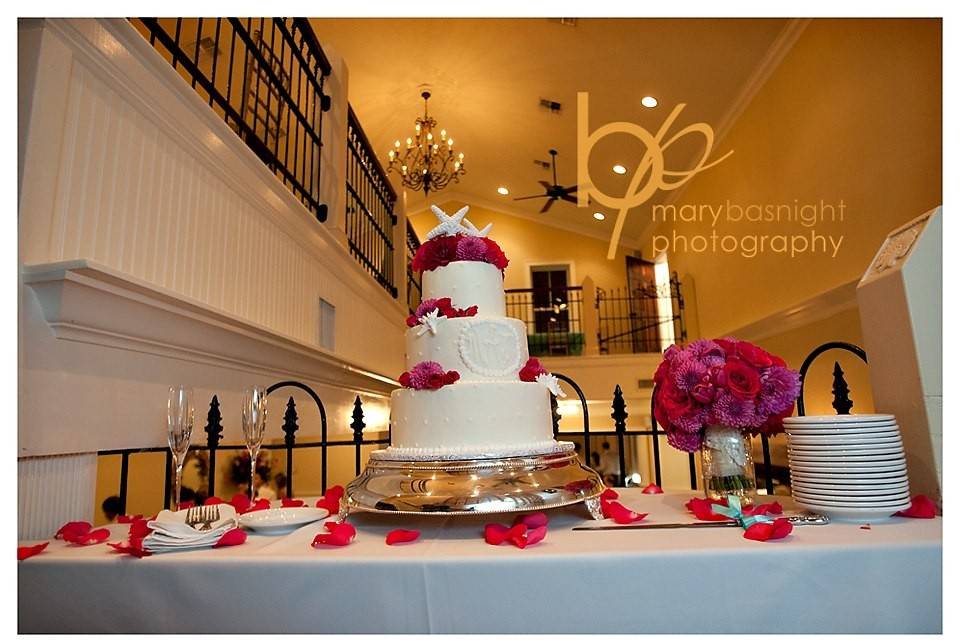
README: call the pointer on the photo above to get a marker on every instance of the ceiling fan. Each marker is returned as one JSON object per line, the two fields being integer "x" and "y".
{"x": 553, "y": 191}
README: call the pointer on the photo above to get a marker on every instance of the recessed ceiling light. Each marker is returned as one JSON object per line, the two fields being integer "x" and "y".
{"x": 619, "y": 168}
{"x": 649, "y": 102}
{"x": 599, "y": 216}
{"x": 503, "y": 191}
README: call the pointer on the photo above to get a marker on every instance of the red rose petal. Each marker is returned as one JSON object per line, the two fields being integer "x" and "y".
{"x": 762, "y": 531}
{"x": 495, "y": 533}
{"x": 91, "y": 537}
{"x": 186, "y": 504}
{"x": 28, "y": 552}
{"x": 866, "y": 527}
{"x": 125, "y": 519}
{"x": 133, "y": 548}
{"x": 652, "y": 488}
{"x": 620, "y": 514}
{"x": 73, "y": 529}
{"x": 139, "y": 529}
{"x": 290, "y": 502}
{"x": 213, "y": 500}
{"x": 764, "y": 509}
{"x": 331, "y": 499}
{"x": 701, "y": 509}
{"x": 399, "y": 536}
{"x": 341, "y": 534}
{"x": 920, "y": 507}
{"x": 259, "y": 505}
{"x": 533, "y": 536}
{"x": 608, "y": 495}
{"x": 231, "y": 538}
{"x": 240, "y": 502}
{"x": 532, "y": 520}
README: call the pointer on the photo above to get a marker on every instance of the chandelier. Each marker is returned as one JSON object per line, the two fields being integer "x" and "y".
{"x": 427, "y": 162}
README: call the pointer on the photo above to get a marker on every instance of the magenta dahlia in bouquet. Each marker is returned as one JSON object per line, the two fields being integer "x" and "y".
{"x": 724, "y": 382}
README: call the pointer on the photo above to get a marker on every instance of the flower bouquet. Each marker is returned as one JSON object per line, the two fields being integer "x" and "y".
{"x": 712, "y": 395}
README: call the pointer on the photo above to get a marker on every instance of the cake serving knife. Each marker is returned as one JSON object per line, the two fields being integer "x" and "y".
{"x": 803, "y": 518}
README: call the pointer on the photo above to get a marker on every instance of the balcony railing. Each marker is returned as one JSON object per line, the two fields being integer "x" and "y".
{"x": 641, "y": 320}
{"x": 265, "y": 78}
{"x": 414, "y": 286}
{"x": 553, "y": 318}
{"x": 559, "y": 323}
{"x": 370, "y": 208}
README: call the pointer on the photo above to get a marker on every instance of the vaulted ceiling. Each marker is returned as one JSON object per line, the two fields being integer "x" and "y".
{"x": 488, "y": 76}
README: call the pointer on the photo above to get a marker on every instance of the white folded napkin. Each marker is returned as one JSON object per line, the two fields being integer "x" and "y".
{"x": 170, "y": 531}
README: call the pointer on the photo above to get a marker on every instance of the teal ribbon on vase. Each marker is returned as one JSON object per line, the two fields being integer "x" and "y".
{"x": 735, "y": 511}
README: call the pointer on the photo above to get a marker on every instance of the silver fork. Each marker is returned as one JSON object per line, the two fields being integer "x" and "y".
{"x": 202, "y": 517}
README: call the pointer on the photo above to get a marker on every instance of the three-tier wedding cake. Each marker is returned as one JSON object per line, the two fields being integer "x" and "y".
{"x": 470, "y": 389}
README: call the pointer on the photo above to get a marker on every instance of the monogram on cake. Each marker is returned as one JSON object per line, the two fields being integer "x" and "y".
{"x": 470, "y": 390}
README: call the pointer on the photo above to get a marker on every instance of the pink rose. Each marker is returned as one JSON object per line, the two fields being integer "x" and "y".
{"x": 740, "y": 379}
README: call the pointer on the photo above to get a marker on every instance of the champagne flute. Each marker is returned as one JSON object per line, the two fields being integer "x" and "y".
{"x": 179, "y": 430}
{"x": 254, "y": 419}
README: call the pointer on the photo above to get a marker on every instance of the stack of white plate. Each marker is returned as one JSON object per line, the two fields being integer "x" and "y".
{"x": 848, "y": 467}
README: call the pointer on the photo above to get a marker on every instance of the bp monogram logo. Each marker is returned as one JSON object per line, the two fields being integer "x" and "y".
{"x": 651, "y": 174}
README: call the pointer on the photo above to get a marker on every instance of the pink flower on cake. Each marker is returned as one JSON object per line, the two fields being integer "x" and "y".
{"x": 428, "y": 375}
{"x": 495, "y": 255}
{"x": 438, "y": 307}
{"x": 471, "y": 248}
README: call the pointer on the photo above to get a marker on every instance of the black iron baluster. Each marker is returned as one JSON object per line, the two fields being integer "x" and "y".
{"x": 124, "y": 473}
{"x": 656, "y": 438}
{"x": 323, "y": 444}
{"x": 357, "y": 425}
{"x": 827, "y": 346}
{"x": 693, "y": 471}
{"x": 167, "y": 479}
{"x": 586, "y": 415}
{"x": 555, "y": 415}
{"x": 841, "y": 392}
{"x": 289, "y": 439}
{"x": 214, "y": 431}
{"x": 767, "y": 465}
{"x": 619, "y": 416}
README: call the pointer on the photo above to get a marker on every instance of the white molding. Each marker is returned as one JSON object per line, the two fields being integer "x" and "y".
{"x": 119, "y": 55}
{"x": 628, "y": 244}
{"x": 774, "y": 55}
{"x": 819, "y": 307}
{"x": 86, "y": 302}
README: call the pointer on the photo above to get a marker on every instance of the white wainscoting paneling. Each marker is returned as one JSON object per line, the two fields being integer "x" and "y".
{"x": 53, "y": 490}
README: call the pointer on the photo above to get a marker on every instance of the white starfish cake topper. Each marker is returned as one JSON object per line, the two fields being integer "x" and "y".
{"x": 429, "y": 322}
{"x": 455, "y": 224}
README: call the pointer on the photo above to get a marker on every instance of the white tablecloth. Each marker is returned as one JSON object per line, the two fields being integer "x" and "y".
{"x": 836, "y": 578}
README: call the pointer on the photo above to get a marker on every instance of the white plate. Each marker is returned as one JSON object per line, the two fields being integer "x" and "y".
{"x": 849, "y": 478}
{"x": 868, "y": 500}
{"x": 880, "y": 457}
{"x": 838, "y": 431}
{"x": 277, "y": 521}
{"x": 892, "y": 439}
{"x": 902, "y": 503}
{"x": 848, "y": 467}
{"x": 853, "y": 514}
{"x": 845, "y": 448}
{"x": 855, "y": 489}
{"x": 859, "y": 417}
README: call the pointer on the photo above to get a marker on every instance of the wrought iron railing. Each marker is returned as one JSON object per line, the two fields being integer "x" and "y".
{"x": 620, "y": 432}
{"x": 265, "y": 78}
{"x": 638, "y": 321}
{"x": 370, "y": 208}
{"x": 554, "y": 319}
{"x": 414, "y": 282}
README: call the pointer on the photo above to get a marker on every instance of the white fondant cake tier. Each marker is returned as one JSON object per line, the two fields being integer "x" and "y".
{"x": 477, "y": 348}
{"x": 476, "y": 416}
{"x": 467, "y": 283}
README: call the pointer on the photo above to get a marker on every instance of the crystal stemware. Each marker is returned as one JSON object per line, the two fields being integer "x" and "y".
{"x": 254, "y": 421}
{"x": 179, "y": 430}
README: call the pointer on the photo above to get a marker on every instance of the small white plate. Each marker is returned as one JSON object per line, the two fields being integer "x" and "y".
{"x": 845, "y": 448}
{"x": 839, "y": 431}
{"x": 845, "y": 467}
{"x": 842, "y": 498}
{"x": 854, "y": 418}
{"x": 842, "y": 441}
{"x": 853, "y": 514}
{"x": 902, "y": 503}
{"x": 880, "y": 457}
{"x": 284, "y": 520}
{"x": 849, "y": 478}
{"x": 851, "y": 488}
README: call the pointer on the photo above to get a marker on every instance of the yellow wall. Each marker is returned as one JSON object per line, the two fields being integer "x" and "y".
{"x": 527, "y": 243}
{"x": 853, "y": 113}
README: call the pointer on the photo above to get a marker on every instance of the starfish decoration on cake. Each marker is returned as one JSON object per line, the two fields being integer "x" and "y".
{"x": 429, "y": 322}
{"x": 551, "y": 382}
{"x": 455, "y": 224}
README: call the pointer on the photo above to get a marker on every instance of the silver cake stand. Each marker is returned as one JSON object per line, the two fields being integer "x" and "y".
{"x": 474, "y": 486}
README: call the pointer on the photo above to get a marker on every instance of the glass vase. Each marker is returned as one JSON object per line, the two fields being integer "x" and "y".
{"x": 727, "y": 464}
